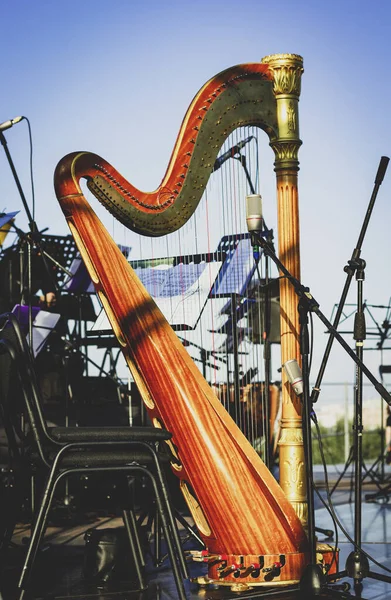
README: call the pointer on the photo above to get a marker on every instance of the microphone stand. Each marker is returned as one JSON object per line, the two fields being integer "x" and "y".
{"x": 32, "y": 226}
{"x": 314, "y": 579}
{"x": 236, "y": 154}
{"x": 349, "y": 270}
{"x": 267, "y": 354}
{"x": 34, "y": 237}
{"x": 267, "y": 324}
{"x": 357, "y": 565}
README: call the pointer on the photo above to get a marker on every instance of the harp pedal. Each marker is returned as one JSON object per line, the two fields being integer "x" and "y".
{"x": 240, "y": 572}
{"x": 234, "y": 569}
{"x": 204, "y": 556}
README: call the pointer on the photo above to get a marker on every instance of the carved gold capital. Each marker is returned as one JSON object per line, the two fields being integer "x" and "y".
{"x": 291, "y": 435}
{"x": 287, "y": 70}
{"x": 286, "y": 151}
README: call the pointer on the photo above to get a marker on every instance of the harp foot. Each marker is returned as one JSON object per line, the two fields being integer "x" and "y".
{"x": 240, "y": 587}
{"x": 202, "y": 581}
{"x": 205, "y": 581}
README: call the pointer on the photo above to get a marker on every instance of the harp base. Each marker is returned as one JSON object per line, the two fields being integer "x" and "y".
{"x": 242, "y": 572}
{"x": 252, "y": 570}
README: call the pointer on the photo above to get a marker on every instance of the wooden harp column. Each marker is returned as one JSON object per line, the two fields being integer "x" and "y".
{"x": 287, "y": 70}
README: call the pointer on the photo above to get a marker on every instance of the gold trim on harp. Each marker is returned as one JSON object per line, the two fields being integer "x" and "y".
{"x": 287, "y": 70}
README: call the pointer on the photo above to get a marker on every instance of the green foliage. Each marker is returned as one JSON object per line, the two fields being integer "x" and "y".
{"x": 333, "y": 440}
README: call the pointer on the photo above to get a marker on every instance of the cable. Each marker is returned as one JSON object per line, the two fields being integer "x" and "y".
{"x": 314, "y": 419}
{"x": 256, "y": 162}
{"x": 31, "y": 168}
{"x": 311, "y": 341}
{"x": 322, "y": 456}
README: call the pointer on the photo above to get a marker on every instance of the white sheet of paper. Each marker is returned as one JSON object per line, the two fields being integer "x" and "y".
{"x": 43, "y": 324}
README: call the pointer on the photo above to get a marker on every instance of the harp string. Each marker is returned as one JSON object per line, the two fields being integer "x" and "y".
{"x": 221, "y": 212}
{"x": 223, "y": 206}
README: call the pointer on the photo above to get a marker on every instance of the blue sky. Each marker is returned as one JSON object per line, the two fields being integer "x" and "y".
{"x": 116, "y": 78}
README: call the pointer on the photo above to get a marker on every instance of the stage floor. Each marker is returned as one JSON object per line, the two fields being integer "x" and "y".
{"x": 58, "y": 571}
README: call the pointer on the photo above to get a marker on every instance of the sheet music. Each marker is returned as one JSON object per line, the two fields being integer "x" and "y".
{"x": 81, "y": 281}
{"x": 238, "y": 267}
{"x": 43, "y": 324}
{"x": 180, "y": 291}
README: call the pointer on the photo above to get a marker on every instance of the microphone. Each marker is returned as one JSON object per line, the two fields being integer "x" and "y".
{"x": 254, "y": 218}
{"x": 7, "y": 124}
{"x": 231, "y": 153}
{"x": 254, "y": 221}
{"x": 295, "y": 377}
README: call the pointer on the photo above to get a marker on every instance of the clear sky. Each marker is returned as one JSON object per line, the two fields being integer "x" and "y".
{"x": 116, "y": 78}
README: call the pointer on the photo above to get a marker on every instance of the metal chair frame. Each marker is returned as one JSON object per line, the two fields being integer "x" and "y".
{"x": 124, "y": 450}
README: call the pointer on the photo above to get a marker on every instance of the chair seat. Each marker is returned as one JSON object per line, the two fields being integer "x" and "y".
{"x": 105, "y": 457}
{"x": 67, "y": 435}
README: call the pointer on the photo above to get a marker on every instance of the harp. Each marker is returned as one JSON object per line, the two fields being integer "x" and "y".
{"x": 252, "y": 527}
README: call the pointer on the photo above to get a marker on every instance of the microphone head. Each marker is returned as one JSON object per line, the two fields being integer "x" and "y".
{"x": 254, "y": 212}
{"x": 7, "y": 124}
{"x": 295, "y": 377}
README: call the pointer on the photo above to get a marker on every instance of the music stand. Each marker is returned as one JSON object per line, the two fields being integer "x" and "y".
{"x": 180, "y": 286}
{"x": 43, "y": 324}
{"x": 5, "y": 225}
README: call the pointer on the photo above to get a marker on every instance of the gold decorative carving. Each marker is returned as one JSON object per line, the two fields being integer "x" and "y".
{"x": 301, "y": 509}
{"x": 282, "y": 57}
{"x": 291, "y": 436}
{"x": 291, "y": 117}
{"x": 286, "y": 150}
{"x": 294, "y": 466}
{"x": 287, "y": 71}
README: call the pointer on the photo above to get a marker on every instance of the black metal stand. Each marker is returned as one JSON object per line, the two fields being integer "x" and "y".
{"x": 376, "y": 472}
{"x": 352, "y": 459}
{"x": 349, "y": 270}
{"x": 313, "y": 580}
{"x": 357, "y": 565}
{"x": 32, "y": 224}
{"x": 267, "y": 325}
{"x": 355, "y": 454}
{"x": 32, "y": 238}
{"x": 266, "y": 356}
